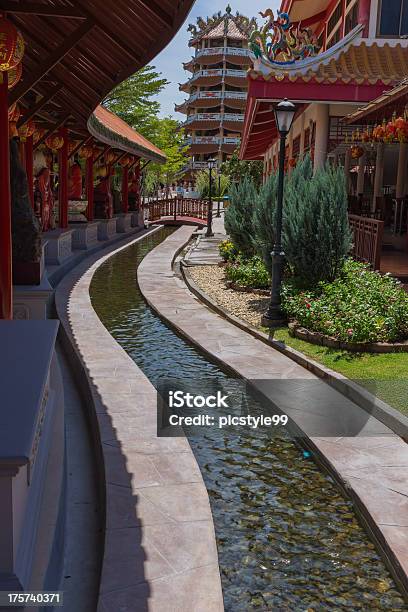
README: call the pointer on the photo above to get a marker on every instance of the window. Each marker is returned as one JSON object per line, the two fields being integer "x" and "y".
{"x": 393, "y": 18}
{"x": 351, "y": 19}
{"x": 334, "y": 19}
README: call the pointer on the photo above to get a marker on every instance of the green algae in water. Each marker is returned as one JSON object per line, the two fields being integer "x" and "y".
{"x": 287, "y": 539}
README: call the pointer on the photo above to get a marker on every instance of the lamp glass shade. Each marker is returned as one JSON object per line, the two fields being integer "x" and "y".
{"x": 212, "y": 163}
{"x": 284, "y": 114}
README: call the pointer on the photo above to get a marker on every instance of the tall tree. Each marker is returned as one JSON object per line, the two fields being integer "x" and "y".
{"x": 237, "y": 169}
{"x": 134, "y": 100}
{"x": 170, "y": 139}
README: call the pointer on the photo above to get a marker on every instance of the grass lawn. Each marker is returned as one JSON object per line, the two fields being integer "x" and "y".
{"x": 385, "y": 375}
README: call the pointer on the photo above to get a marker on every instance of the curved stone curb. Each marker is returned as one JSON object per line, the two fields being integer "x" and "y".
{"x": 160, "y": 548}
{"x": 393, "y": 419}
{"x": 372, "y": 468}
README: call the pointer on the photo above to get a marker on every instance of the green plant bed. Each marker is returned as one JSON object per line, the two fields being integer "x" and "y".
{"x": 389, "y": 372}
{"x": 361, "y": 306}
{"x": 248, "y": 273}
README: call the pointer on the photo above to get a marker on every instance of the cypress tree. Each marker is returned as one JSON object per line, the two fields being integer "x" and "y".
{"x": 239, "y": 216}
{"x": 264, "y": 220}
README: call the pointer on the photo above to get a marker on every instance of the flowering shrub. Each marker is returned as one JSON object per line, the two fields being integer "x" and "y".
{"x": 359, "y": 306}
{"x": 249, "y": 273}
{"x": 228, "y": 250}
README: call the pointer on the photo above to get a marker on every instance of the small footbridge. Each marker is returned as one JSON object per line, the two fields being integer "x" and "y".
{"x": 177, "y": 211}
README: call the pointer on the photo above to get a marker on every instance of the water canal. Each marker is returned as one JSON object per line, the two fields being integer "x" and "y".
{"x": 287, "y": 539}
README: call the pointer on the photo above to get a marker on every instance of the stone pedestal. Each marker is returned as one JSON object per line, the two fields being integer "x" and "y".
{"x": 30, "y": 405}
{"x": 58, "y": 246}
{"x": 106, "y": 229}
{"x": 137, "y": 219}
{"x": 124, "y": 223}
{"x": 84, "y": 235}
{"x": 31, "y": 301}
{"x": 29, "y": 272}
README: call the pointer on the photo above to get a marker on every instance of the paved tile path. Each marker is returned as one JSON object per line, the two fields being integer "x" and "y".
{"x": 160, "y": 549}
{"x": 373, "y": 466}
{"x": 205, "y": 250}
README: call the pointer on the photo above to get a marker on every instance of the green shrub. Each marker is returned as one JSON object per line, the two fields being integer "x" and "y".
{"x": 238, "y": 216}
{"x": 264, "y": 220}
{"x": 202, "y": 185}
{"x": 251, "y": 273}
{"x": 359, "y": 306}
{"x": 317, "y": 237}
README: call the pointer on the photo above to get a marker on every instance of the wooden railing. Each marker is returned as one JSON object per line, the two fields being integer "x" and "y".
{"x": 175, "y": 208}
{"x": 367, "y": 240}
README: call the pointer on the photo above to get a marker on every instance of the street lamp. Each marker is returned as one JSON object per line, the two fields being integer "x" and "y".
{"x": 219, "y": 194}
{"x": 212, "y": 163}
{"x": 274, "y": 317}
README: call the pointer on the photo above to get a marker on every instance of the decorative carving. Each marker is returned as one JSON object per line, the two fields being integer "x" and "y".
{"x": 25, "y": 227}
{"x": 21, "y": 312}
{"x": 282, "y": 41}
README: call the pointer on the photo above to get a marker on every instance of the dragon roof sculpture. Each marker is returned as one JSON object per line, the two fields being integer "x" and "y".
{"x": 281, "y": 41}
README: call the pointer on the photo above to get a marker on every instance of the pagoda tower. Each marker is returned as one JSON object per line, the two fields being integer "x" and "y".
{"x": 217, "y": 88}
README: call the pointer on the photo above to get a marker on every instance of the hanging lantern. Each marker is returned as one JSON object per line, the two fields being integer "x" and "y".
{"x": 86, "y": 151}
{"x": 13, "y": 131}
{"x": 14, "y": 112}
{"x": 110, "y": 157}
{"x": 292, "y": 162}
{"x": 26, "y": 130}
{"x": 14, "y": 75}
{"x": 54, "y": 142}
{"x": 71, "y": 146}
{"x": 38, "y": 134}
{"x": 102, "y": 171}
{"x": 125, "y": 161}
{"x": 11, "y": 45}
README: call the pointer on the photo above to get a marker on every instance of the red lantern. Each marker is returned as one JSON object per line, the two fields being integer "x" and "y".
{"x": 27, "y": 130}
{"x": 14, "y": 75}
{"x": 86, "y": 151}
{"x": 54, "y": 142}
{"x": 292, "y": 162}
{"x": 38, "y": 134}
{"x": 11, "y": 45}
{"x": 125, "y": 161}
{"x": 71, "y": 146}
{"x": 14, "y": 112}
{"x": 110, "y": 157}
{"x": 357, "y": 152}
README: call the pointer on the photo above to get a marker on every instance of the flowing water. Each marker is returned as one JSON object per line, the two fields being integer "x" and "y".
{"x": 287, "y": 539}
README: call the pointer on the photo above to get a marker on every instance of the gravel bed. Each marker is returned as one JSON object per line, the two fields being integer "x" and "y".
{"x": 247, "y": 306}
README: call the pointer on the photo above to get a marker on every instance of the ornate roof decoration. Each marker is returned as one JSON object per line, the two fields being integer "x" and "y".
{"x": 234, "y": 26}
{"x": 351, "y": 60}
{"x": 281, "y": 41}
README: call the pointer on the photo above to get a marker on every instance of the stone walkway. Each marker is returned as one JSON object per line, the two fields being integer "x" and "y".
{"x": 160, "y": 549}
{"x": 372, "y": 465}
{"x": 205, "y": 250}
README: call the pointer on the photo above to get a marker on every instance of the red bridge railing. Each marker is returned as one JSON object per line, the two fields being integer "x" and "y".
{"x": 367, "y": 240}
{"x": 175, "y": 208}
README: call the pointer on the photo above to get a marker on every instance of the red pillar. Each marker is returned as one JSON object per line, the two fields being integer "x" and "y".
{"x": 137, "y": 180}
{"x": 63, "y": 180}
{"x": 125, "y": 190}
{"x": 364, "y": 15}
{"x": 29, "y": 162}
{"x": 6, "y": 283}
{"x": 90, "y": 188}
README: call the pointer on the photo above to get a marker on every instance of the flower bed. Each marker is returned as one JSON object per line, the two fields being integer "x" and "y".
{"x": 360, "y": 307}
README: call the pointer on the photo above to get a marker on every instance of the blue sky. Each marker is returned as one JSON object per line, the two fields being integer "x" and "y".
{"x": 170, "y": 61}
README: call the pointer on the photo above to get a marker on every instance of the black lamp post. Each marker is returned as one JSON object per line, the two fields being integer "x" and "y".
{"x": 274, "y": 317}
{"x": 219, "y": 194}
{"x": 212, "y": 163}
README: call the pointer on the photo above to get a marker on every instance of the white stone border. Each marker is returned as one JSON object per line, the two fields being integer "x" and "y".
{"x": 160, "y": 548}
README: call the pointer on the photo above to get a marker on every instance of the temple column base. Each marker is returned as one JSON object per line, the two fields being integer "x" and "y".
{"x": 58, "y": 246}
{"x": 84, "y": 236}
{"x": 124, "y": 223}
{"x": 106, "y": 229}
{"x": 137, "y": 218}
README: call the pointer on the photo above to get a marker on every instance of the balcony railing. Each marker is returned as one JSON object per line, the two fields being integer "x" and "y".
{"x": 218, "y": 72}
{"x": 202, "y": 140}
{"x": 218, "y": 117}
{"x": 224, "y": 51}
{"x": 197, "y": 165}
{"x": 218, "y": 95}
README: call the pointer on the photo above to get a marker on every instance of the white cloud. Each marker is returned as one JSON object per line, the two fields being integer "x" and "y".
{"x": 170, "y": 61}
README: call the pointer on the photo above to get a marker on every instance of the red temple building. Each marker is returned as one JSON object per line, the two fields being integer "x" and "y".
{"x": 331, "y": 58}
